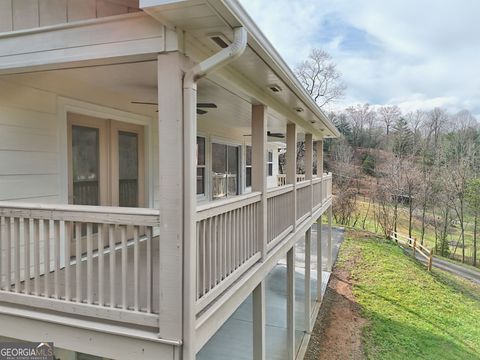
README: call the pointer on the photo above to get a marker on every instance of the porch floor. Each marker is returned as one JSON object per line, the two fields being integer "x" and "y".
{"x": 234, "y": 339}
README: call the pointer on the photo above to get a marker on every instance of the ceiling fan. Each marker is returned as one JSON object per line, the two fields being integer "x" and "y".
{"x": 272, "y": 134}
{"x": 200, "y": 106}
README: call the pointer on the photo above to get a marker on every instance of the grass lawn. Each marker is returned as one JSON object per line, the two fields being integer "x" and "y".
{"x": 411, "y": 313}
{"x": 367, "y": 213}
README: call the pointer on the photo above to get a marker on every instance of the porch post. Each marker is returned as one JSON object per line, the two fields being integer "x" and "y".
{"x": 308, "y": 287}
{"x": 309, "y": 165}
{"x": 189, "y": 218}
{"x": 291, "y": 177}
{"x": 319, "y": 145}
{"x": 291, "y": 303}
{"x": 319, "y": 259}
{"x": 329, "y": 243}
{"x": 259, "y": 170}
{"x": 259, "y": 322}
{"x": 171, "y": 193}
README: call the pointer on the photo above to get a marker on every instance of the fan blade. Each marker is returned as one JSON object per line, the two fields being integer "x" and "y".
{"x": 277, "y": 135}
{"x": 207, "y": 105}
{"x": 201, "y": 112}
{"x": 143, "y": 103}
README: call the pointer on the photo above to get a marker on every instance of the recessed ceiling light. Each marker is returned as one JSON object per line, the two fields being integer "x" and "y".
{"x": 275, "y": 88}
{"x": 299, "y": 109}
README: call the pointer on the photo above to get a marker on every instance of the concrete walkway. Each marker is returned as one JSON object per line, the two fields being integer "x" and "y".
{"x": 234, "y": 339}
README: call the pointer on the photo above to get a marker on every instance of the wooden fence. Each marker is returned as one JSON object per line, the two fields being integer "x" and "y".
{"x": 415, "y": 245}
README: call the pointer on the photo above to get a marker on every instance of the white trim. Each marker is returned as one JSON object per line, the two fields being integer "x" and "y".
{"x": 66, "y": 105}
{"x": 201, "y": 198}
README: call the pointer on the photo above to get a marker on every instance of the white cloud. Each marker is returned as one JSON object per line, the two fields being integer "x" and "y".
{"x": 417, "y": 54}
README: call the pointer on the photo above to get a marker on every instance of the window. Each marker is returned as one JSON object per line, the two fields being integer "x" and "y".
{"x": 270, "y": 164}
{"x": 225, "y": 161}
{"x": 200, "y": 165}
{"x": 248, "y": 166}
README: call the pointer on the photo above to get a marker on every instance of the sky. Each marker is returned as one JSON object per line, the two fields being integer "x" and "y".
{"x": 417, "y": 54}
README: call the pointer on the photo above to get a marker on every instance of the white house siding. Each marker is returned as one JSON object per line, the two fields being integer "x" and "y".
{"x": 29, "y": 165}
{"x": 28, "y": 14}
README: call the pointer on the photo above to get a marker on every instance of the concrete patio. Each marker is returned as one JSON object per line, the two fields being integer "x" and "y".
{"x": 234, "y": 339}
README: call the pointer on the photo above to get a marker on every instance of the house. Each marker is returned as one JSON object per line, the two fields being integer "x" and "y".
{"x": 139, "y": 205}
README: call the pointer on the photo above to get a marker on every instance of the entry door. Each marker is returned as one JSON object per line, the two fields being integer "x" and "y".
{"x": 106, "y": 162}
{"x": 225, "y": 176}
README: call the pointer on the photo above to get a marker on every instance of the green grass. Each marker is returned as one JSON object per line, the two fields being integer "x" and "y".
{"x": 402, "y": 227}
{"x": 412, "y": 314}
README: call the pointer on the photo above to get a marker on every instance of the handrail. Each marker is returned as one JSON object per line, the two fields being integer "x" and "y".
{"x": 413, "y": 243}
{"x": 221, "y": 206}
{"x": 303, "y": 184}
{"x": 88, "y": 213}
{"x": 279, "y": 190}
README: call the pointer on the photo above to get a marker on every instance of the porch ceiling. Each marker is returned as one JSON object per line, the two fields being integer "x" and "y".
{"x": 118, "y": 85}
{"x": 257, "y": 69}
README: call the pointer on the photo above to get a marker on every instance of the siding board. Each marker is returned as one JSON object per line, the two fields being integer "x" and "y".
{"x": 81, "y": 10}
{"x": 21, "y": 187}
{"x": 25, "y": 14}
{"x": 24, "y": 139}
{"x": 108, "y": 8}
{"x": 28, "y": 163}
{"x": 52, "y": 12}
{"x": 6, "y": 15}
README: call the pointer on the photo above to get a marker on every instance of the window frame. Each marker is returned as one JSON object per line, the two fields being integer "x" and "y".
{"x": 269, "y": 163}
{"x": 206, "y": 191}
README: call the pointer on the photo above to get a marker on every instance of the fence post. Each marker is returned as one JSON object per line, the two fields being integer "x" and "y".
{"x": 430, "y": 261}
{"x": 414, "y": 245}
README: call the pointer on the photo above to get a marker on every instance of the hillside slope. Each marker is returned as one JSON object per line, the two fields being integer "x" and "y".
{"x": 409, "y": 313}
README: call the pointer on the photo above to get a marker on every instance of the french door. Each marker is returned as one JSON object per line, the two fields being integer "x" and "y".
{"x": 225, "y": 174}
{"x": 106, "y": 162}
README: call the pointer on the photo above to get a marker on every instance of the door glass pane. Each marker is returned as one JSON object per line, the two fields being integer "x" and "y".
{"x": 219, "y": 170}
{"x": 128, "y": 169}
{"x": 233, "y": 170}
{"x": 85, "y": 165}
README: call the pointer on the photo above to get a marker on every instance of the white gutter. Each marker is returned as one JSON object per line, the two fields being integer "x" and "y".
{"x": 223, "y": 57}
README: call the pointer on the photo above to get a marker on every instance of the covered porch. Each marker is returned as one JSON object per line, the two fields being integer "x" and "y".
{"x": 116, "y": 211}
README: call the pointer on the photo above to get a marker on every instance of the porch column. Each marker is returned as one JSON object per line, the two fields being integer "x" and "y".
{"x": 291, "y": 177}
{"x": 329, "y": 243}
{"x": 319, "y": 259}
{"x": 291, "y": 304}
{"x": 309, "y": 165}
{"x": 259, "y": 322}
{"x": 308, "y": 288}
{"x": 259, "y": 170}
{"x": 171, "y": 193}
{"x": 319, "y": 145}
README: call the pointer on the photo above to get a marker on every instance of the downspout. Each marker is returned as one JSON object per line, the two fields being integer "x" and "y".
{"x": 223, "y": 57}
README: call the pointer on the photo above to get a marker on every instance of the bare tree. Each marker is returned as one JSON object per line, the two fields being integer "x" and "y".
{"x": 389, "y": 115}
{"x": 320, "y": 77}
{"x": 361, "y": 117}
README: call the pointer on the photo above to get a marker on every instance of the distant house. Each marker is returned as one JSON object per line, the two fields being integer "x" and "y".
{"x": 139, "y": 198}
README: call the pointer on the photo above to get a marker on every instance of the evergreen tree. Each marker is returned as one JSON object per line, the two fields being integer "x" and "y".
{"x": 402, "y": 138}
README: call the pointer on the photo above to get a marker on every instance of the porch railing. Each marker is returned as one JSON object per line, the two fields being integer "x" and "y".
{"x": 282, "y": 179}
{"x": 103, "y": 261}
{"x": 79, "y": 259}
{"x": 279, "y": 211}
{"x": 304, "y": 199}
{"x": 227, "y": 232}
{"x": 227, "y": 243}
